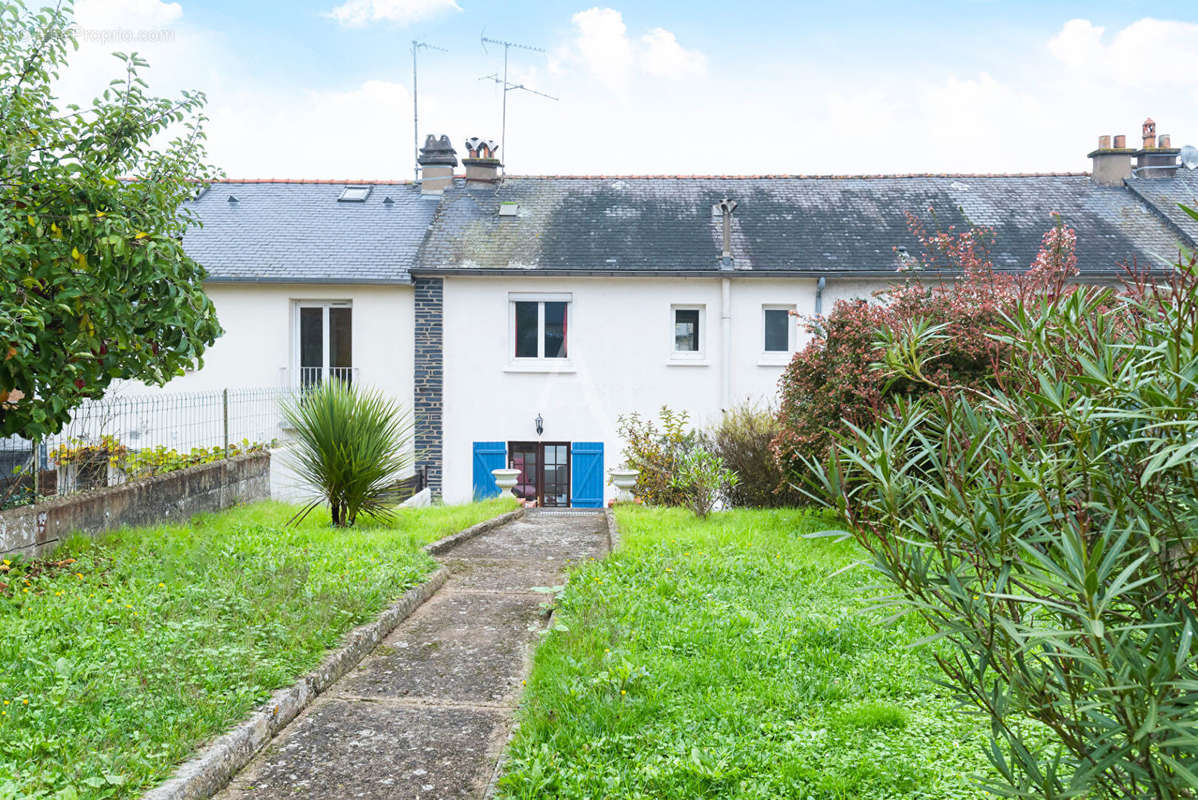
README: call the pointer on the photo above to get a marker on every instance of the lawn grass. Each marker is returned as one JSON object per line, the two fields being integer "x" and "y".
{"x": 116, "y": 666}
{"x": 725, "y": 658}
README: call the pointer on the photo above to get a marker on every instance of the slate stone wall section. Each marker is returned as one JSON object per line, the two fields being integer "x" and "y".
{"x": 33, "y": 531}
{"x": 429, "y": 376}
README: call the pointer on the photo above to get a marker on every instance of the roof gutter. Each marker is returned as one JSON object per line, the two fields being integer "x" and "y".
{"x": 889, "y": 274}
{"x": 312, "y": 281}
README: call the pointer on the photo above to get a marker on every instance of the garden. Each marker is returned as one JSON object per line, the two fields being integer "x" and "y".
{"x": 736, "y": 657}
{"x": 123, "y": 654}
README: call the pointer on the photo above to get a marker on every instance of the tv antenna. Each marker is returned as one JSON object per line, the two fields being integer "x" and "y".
{"x": 507, "y": 85}
{"x": 417, "y": 47}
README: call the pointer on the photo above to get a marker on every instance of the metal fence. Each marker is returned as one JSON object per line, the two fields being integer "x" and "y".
{"x": 120, "y": 438}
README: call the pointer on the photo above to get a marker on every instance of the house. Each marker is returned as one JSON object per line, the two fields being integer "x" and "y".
{"x": 521, "y": 316}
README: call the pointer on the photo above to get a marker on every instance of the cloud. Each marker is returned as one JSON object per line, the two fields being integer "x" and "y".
{"x": 1148, "y": 52}
{"x": 665, "y": 58}
{"x": 603, "y": 48}
{"x": 356, "y": 13}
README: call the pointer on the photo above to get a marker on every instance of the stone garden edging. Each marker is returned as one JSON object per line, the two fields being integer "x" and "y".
{"x": 613, "y": 531}
{"x": 454, "y": 539}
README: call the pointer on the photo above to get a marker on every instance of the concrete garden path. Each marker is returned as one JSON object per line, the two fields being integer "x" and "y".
{"x": 427, "y": 714}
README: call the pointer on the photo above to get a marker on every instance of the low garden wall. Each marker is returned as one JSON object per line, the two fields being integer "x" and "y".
{"x": 34, "y": 530}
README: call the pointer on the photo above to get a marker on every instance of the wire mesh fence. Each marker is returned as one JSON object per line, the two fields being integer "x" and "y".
{"x": 117, "y": 439}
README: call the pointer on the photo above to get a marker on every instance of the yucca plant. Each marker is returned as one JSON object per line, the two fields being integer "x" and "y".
{"x": 351, "y": 446}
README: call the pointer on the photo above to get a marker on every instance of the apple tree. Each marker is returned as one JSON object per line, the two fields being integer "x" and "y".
{"x": 94, "y": 283}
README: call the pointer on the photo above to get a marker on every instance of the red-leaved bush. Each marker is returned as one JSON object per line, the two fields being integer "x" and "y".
{"x": 836, "y": 379}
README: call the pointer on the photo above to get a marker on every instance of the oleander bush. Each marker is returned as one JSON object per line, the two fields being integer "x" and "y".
{"x": 1046, "y": 527}
{"x": 830, "y": 384}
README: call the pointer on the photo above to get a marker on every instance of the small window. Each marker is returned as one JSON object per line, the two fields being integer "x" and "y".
{"x": 687, "y": 333}
{"x": 686, "y": 330}
{"x": 354, "y": 194}
{"x": 777, "y": 330}
{"x": 540, "y": 328}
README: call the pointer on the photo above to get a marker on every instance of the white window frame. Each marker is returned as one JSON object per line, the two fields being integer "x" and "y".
{"x": 774, "y": 358}
{"x": 324, "y": 305}
{"x": 539, "y": 363}
{"x": 688, "y": 357}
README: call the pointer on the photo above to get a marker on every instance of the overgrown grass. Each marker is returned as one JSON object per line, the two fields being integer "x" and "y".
{"x": 726, "y": 659}
{"x": 115, "y": 666}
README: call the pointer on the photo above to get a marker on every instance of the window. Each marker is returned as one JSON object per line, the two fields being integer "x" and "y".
{"x": 686, "y": 330}
{"x": 777, "y": 328}
{"x": 324, "y": 341}
{"x": 540, "y": 326}
{"x": 354, "y": 194}
{"x": 688, "y": 337}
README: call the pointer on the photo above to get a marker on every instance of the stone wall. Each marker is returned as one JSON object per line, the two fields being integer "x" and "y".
{"x": 33, "y": 531}
{"x": 428, "y": 367}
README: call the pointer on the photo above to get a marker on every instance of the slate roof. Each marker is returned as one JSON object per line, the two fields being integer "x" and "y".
{"x": 298, "y": 232}
{"x": 1165, "y": 193}
{"x": 784, "y": 224}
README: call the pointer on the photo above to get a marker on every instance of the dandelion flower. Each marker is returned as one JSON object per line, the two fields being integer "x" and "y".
{"x": 162, "y": 586}
{"x": 110, "y": 599}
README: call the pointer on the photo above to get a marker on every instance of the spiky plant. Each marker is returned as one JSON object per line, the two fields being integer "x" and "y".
{"x": 351, "y": 446}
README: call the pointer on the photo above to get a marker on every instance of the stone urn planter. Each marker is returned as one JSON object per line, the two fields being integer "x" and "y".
{"x": 624, "y": 480}
{"x": 506, "y": 479}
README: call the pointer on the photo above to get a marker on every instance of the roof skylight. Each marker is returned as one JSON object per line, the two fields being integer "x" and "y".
{"x": 354, "y": 194}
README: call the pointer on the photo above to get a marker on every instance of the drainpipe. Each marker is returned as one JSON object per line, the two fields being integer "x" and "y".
{"x": 726, "y": 342}
{"x": 819, "y": 295}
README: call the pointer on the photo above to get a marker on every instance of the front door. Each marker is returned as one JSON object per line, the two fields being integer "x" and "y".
{"x": 544, "y": 472}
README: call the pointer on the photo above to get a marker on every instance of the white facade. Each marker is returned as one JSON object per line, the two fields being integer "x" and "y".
{"x": 620, "y": 358}
{"x": 260, "y": 346}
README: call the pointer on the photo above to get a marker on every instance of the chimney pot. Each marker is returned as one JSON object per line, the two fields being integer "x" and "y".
{"x": 482, "y": 167}
{"x": 1104, "y": 142}
{"x": 1149, "y": 131}
{"x": 437, "y": 160}
{"x": 1120, "y": 142}
{"x": 1155, "y": 159}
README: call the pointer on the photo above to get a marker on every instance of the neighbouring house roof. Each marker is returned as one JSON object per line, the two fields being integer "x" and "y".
{"x": 299, "y": 232}
{"x": 1164, "y": 194}
{"x": 783, "y": 224}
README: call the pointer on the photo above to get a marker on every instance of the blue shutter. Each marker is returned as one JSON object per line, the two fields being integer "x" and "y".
{"x": 586, "y": 473}
{"x": 487, "y": 456}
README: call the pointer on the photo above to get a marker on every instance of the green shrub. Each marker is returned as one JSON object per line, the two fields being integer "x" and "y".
{"x": 1051, "y": 535}
{"x": 701, "y": 477}
{"x": 743, "y": 439}
{"x": 830, "y": 384}
{"x": 351, "y": 446}
{"x": 655, "y": 451}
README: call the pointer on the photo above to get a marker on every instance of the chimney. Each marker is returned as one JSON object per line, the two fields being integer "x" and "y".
{"x": 1111, "y": 164}
{"x": 726, "y": 207}
{"x": 437, "y": 160}
{"x": 482, "y": 167}
{"x": 1155, "y": 159}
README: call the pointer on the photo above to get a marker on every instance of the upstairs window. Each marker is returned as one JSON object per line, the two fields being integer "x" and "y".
{"x": 325, "y": 341}
{"x": 540, "y": 326}
{"x": 777, "y": 329}
{"x": 688, "y": 333}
